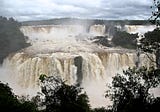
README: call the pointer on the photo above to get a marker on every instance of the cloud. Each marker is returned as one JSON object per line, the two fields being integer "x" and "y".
{"x": 47, "y": 9}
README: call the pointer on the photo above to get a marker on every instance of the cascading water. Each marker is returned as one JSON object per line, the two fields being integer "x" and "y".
{"x": 139, "y": 28}
{"x": 97, "y": 30}
{"x": 55, "y": 52}
{"x": 52, "y": 32}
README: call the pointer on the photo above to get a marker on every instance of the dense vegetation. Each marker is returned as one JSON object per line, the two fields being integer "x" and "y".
{"x": 11, "y": 38}
{"x": 124, "y": 39}
{"x": 10, "y": 103}
{"x": 120, "y": 39}
{"x": 151, "y": 41}
{"x": 130, "y": 91}
{"x": 60, "y": 97}
{"x": 155, "y": 18}
{"x": 151, "y": 44}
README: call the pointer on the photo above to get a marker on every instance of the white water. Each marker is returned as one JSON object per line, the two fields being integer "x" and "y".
{"x": 54, "y": 52}
{"x": 141, "y": 29}
{"x": 97, "y": 30}
{"x": 61, "y": 32}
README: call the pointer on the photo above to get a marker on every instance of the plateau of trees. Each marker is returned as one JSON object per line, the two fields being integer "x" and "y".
{"x": 120, "y": 39}
{"x": 124, "y": 39}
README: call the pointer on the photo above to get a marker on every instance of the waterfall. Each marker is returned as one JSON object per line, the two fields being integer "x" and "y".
{"x": 55, "y": 51}
{"x": 91, "y": 70}
{"x": 52, "y": 32}
{"x": 97, "y": 30}
{"x": 139, "y": 28}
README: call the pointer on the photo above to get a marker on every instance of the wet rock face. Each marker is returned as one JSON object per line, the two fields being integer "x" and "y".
{"x": 78, "y": 63}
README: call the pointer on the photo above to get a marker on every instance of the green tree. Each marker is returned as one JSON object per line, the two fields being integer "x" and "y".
{"x": 11, "y": 38}
{"x": 60, "y": 97}
{"x": 124, "y": 39}
{"x": 151, "y": 44}
{"x": 10, "y": 103}
{"x": 155, "y": 18}
{"x": 130, "y": 92}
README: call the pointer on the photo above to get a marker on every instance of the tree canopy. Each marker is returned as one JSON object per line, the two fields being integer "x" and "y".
{"x": 60, "y": 97}
{"x": 130, "y": 91}
{"x": 11, "y": 38}
{"x": 155, "y": 18}
{"x": 10, "y": 103}
{"x": 124, "y": 39}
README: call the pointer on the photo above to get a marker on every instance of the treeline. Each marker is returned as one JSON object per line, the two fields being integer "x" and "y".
{"x": 73, "y": 21}
{"x": 11, "y": 38}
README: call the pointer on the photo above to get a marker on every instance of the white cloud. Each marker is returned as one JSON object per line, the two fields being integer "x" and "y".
{"x": 46, "y": 9}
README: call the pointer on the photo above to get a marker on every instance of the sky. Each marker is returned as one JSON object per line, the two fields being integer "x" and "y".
{"x": 25, "y": 10}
